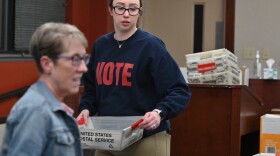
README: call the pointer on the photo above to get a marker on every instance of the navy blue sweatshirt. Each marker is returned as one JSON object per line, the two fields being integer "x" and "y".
{"x": 134, "y": 79}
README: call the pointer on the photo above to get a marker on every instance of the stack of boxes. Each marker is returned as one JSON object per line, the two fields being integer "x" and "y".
{"x": 213, "y": 67}
{"x": 270, "y": 134}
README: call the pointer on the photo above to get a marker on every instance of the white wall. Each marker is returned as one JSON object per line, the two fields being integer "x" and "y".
{"x": 257, "y": 26}
{"x": 172, "y": 21}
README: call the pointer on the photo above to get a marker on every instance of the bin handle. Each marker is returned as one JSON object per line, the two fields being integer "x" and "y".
{"x": 135, "y": 125}
{"x": 81, "y": 121}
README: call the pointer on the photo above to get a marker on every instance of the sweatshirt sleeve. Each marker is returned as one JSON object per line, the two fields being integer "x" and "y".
{"x": 88, "y": 100}
{"x": 169, "y": 83}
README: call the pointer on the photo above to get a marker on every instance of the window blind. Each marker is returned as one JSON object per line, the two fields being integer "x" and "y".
{"x": 29, "y": 14}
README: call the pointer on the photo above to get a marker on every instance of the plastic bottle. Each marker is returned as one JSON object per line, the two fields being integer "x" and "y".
{"x": 257, "y": 71}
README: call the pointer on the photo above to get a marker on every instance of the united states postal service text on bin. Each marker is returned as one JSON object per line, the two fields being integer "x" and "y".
{"x": 110, "y": 133}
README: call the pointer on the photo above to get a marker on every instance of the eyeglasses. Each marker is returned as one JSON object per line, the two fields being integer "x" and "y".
{"x": 76, "y": 59}
{"x": 121, "y": 10}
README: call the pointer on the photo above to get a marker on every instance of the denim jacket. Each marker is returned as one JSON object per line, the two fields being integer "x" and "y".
{"x": 39, "y": 126}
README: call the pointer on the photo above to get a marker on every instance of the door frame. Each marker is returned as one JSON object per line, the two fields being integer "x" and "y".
{"x": 229, "y": 25}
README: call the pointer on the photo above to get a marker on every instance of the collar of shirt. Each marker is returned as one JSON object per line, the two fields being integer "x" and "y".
{"x": 67, "y": 109}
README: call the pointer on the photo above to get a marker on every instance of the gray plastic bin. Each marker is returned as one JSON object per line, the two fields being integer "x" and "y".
{"x": 110, "y": 133}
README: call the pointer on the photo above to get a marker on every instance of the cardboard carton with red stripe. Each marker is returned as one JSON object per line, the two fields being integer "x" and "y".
{"x": 214, "y": 67}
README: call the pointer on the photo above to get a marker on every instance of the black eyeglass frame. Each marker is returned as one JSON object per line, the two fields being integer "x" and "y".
{"x": 76, "y": 59}
{"x": 126, "y": 9}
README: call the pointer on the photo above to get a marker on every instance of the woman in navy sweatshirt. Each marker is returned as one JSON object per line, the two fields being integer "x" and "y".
{"x": 131, "y": 73}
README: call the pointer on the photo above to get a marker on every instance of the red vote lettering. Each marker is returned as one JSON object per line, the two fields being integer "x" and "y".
{"x": 106, "y": 73}
{"x": 119, "y": 66}
{"x": 126, "y": 74}
{"x": 98, "y": 72}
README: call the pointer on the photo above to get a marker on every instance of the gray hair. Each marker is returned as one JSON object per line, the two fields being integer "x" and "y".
{"x": 49, "y": 38}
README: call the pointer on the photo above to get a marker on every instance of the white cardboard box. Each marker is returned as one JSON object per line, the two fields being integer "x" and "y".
{"x": 270, "y": 133}
{"x": 209, "y": 54}
{"x": 213, "y": 67}
{"x": 226, "y": 78}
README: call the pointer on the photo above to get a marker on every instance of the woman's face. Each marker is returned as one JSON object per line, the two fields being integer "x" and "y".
{"x": 65, "y": 76}
{"x": 126, "y": 22}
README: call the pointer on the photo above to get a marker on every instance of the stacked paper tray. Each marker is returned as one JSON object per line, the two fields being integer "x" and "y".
{"x": 203, "y": 67}
{"x": 212, "y": 65}
{"x": 110, "y": 133}
{"x": 226, "y": 78}
{"x": 210, "y": 54}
